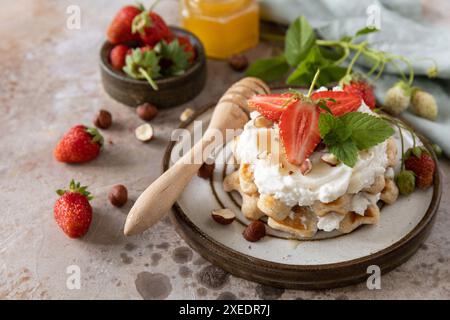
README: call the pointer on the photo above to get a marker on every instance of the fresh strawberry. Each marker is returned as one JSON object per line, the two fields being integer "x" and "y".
{"x": 299, "y": 130}
{"x": 79, "y": 144}
{"x": 120, "y": 31}
{"x": 419, "y": 161}
{"x": 72, "y": 210}
{"x": 272, "y": 106}
{"x": 363, "y": 89}
{"x": 117, "y": 56}
{"x": 143, "y": 49}
{"x": 151, "y": 28}
{"x": 187, "y": 46}
{"x": 338, "y": 102}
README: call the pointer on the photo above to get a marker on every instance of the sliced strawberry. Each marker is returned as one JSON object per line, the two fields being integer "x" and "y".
{"x": 272, "y": 106}
{"x": 299, "y": 131}
{"x": 364, "y": 90}
{"x": 339, "y": 102}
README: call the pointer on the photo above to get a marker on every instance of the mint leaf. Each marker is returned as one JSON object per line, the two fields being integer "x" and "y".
{"x": 268, "y": 69}
{"x": 300, "y": 38}
{"x": 333, "y": 130}
{"x": 367, "y": 130}
{"x": 347, "y": 152}
{"x": 305, "y": 71}
{"x": 365, "y": 31}
{"x": 327, "y": 123}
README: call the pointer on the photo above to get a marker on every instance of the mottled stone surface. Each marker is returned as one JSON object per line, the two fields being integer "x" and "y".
{"x": 50, "y": 81}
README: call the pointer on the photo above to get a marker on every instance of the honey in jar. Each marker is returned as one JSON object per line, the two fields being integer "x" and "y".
{"x": 225, "y": 27}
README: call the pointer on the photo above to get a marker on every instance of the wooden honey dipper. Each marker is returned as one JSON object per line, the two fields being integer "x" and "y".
{"x": 230, "y": 113}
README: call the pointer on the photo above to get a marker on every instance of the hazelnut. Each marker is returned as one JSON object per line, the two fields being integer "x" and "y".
{"x": 206, "y": 170}
{"x": 238, "y": 62}
{"x": 103, "y": 119}
{"x": 144, "y": 132}
{"x": 118, "y": 195}
{"x": 146, "y": 111}
{"x": 223, "y": 216}
{"x": 254, "y": 231}
{"x": 186, "y": 114}
{"x": 330, "y": 159}
{"x": 306, "y": 167}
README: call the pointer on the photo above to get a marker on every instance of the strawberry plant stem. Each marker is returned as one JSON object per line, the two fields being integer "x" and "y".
{"x": 357, "y": 54}
{"x": 313, "y": 83}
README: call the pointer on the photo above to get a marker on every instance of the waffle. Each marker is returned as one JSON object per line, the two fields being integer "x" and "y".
{"x": 301, "y": 222}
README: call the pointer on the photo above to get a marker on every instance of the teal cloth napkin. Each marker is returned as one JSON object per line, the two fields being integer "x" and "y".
{"x": 402, "y": 31}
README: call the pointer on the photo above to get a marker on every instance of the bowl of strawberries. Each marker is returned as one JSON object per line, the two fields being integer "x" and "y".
{"x": 145, "y": 60}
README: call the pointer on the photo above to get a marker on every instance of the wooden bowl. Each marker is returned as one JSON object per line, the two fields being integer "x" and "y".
{"x": 172, "y": 91}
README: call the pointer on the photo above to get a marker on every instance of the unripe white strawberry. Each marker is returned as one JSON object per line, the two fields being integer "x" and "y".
{"x": 397, "y": 98}
{"x": 424, "y": 105}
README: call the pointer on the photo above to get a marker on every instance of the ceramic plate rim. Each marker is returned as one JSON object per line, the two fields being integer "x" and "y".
{"x": 417, "y": 231}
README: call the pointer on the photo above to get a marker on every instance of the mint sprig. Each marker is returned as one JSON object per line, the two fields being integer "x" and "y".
{"x": 304, "y": 53}
{"x": 352, "y": 132}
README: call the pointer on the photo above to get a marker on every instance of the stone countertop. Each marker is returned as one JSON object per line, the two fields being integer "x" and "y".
{"x": 50, "y": 81}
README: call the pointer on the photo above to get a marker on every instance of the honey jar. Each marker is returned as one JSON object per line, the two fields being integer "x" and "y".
{"x": 225, "y": 27}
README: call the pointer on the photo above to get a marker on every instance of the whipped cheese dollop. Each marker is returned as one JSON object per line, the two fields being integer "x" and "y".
{"x": 324, "y": 183}
{"x": 329, "y": 222}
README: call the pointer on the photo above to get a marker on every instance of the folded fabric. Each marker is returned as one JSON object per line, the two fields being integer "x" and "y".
{"x": 402, "y": 31}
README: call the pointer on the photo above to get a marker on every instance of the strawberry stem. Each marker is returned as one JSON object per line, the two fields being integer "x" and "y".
{"x": 313, "y": 83}
{"x": 148, "y": 78}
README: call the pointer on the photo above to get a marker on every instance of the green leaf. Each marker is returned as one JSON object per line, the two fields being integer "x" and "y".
{"x": 142, "y": 64}
{"x": 270, "y": 69}
{"x": 333, "y": 53}
{"x": 177, "y": 57}
{"x": 346, "y": 152}
{"x": 304, "y": 73}
{"x": 300, "y": 38}
{"x": 367, "y": 130}
{"x": 327, "y": 123}
{"x": 365, "y": 31}
{"x": 330, "y": 74}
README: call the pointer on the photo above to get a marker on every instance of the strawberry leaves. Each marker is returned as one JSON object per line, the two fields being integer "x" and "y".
{"x": 174, "y": 56}
{"x": 352, "y": 132}
{"x": 76, "y": 187}
{"x": 143, "y": 64}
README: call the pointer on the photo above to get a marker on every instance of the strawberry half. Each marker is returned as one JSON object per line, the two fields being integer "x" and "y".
{"x": 299, "y": 130}
{"x": 339, "y": 102}
{"x": 272, "y": 106}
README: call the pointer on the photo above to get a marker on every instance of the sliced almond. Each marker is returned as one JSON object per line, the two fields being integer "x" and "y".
{"x": 306, "y": 167}
{"x": 330, "y": 159}
{"x": 144, "y": 132}
{"x": 186, "y": 114}
{"x": 223, "y": 216}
